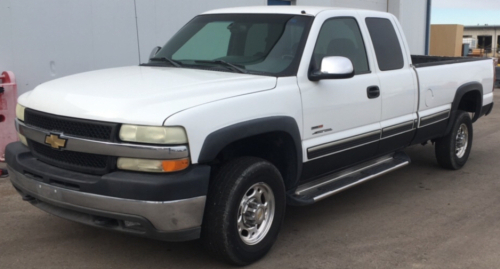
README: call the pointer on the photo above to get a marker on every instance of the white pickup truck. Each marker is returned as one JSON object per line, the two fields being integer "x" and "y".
{"x": 242, "y": 112}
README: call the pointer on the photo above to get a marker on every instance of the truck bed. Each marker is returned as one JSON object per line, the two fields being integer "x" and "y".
{"x": 440, "y": 77}
{"x": 425, "y": 61}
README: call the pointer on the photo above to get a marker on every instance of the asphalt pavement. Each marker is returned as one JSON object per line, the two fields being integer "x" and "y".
{"x": 420, "y": 216}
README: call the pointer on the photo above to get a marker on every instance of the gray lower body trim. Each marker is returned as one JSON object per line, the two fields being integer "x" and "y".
{"x": 434, "y": 118}
{"x": 371, "y": 137}
{"x": 169, "y": 216}
{"x": 342, "y": 145}
{"x": 398, "y": 129}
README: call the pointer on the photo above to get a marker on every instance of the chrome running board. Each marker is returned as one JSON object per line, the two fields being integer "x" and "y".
{"x": 337, "y": 182}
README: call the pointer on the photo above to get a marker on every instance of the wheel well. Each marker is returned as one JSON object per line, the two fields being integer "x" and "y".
{"x": 471, "y": 102}
{"x": 276, "y": 147}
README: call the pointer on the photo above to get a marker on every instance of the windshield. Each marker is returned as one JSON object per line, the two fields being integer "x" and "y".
{"x": 245, "y": 43}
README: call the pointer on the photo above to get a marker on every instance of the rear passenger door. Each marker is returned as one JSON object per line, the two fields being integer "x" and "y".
{"x": 341, "y": 122}
{"x": 398, "y": 84}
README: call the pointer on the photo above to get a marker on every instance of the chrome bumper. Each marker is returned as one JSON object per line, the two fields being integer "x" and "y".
{"x": 169, "y": 216}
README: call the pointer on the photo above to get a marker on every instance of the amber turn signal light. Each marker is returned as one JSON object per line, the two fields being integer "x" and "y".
{"x": 175, "y": 165}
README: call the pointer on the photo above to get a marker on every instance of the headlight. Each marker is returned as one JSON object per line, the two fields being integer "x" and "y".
{"x": 157, "y": 166}
{"x": 20, "y": 112}
{"x": 153, "y": 134}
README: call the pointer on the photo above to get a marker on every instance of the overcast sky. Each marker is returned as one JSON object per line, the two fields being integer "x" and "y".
{"x": 466, "y": 12}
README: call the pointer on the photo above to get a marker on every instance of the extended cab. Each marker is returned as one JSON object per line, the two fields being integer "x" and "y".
{"x": 243, "y": 111}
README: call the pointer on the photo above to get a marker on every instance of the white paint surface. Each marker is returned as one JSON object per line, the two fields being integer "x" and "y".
{"x": 139, "y": 94}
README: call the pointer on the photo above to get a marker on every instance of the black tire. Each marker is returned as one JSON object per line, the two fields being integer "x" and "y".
{"x": 446, "y": 147}
{"x": 220, "y": 233}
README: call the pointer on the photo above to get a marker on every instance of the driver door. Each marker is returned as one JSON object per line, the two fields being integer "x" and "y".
{"x": 341, "y": 117}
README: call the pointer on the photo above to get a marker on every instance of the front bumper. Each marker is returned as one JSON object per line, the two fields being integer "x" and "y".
{"x": 53, "y": 190}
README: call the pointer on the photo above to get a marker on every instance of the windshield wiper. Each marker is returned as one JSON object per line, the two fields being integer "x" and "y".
{"x": 232, "y": 66}
{"x": 165, "y": 59}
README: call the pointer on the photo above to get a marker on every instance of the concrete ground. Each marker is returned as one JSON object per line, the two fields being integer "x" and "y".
{"x": 420, "y": 216}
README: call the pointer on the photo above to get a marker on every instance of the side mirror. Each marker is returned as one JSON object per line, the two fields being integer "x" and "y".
{"x": 333, "y": 67}
{"x": 154, "y": 52}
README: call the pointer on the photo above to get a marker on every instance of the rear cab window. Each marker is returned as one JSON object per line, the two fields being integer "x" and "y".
{"x": 386, "y": 44}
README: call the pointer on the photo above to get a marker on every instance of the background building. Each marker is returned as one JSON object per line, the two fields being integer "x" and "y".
{"x": 44, "y": 40}
{"x": 485, "y": 37}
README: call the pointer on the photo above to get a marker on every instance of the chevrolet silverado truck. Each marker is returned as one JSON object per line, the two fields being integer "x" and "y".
{"x": 242, "y": 112}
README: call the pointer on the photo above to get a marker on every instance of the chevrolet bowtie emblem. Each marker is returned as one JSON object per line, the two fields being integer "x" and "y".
{"x": 55, "y": 141}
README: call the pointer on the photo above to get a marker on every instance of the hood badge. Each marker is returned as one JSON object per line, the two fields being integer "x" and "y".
{"x": 55, "y": 141}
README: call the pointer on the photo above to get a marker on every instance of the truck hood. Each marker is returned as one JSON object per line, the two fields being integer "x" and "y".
{"x": 139, "y": 94}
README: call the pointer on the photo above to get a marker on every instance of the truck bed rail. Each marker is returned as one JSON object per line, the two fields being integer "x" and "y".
{"x": 427, "y": 61}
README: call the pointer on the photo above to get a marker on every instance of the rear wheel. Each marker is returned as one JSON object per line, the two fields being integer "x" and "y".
{"x": 452, "y": 150}
{"x": 244, "y": 211}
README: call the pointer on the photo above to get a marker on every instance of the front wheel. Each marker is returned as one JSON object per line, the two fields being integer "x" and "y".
{"x": 452, "y": 150}
{"x": 244, "y": 211}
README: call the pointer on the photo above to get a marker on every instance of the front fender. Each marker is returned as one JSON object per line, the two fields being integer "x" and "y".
{"x": 219, "y": 139}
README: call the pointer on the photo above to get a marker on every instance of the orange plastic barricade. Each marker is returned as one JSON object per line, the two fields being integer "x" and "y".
{"x": 8, "y": 101}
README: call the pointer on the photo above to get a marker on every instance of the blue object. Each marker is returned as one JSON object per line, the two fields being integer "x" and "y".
{"x": 428, "y": 27}
{"x": 278, "y": 3}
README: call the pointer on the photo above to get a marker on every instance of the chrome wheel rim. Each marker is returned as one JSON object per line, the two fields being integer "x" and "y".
{"x": 461, "y": 140}
{"x": 256, "y": 213}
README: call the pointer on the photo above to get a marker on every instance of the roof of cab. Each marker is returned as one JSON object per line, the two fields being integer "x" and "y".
{"x": 297, "y": 10}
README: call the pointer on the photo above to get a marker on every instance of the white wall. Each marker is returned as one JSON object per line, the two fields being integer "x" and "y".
{"x": 6, "y": 52}
{"x": 379, "y": 5}
{"x": 412, "y": 16}
{"x": 43, "y": 40}
{"x": 54, "y": 38}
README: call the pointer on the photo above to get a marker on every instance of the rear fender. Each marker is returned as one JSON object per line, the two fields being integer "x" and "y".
{"x": 461, "y": 92}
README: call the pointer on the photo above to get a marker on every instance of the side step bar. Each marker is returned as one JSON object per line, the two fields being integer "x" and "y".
{"x": 321, "y": 188}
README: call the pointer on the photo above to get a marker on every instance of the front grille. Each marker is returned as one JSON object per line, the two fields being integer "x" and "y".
{"x": 70, "y": 126}
{"x": 74, "y": 161}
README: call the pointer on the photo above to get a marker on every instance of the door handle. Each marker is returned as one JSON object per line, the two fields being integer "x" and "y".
{"x": 373, "y": 92}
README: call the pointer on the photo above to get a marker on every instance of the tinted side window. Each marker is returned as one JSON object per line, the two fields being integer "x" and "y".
{"x": 386, "y": 44}
{"x": 341, "y": 37}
